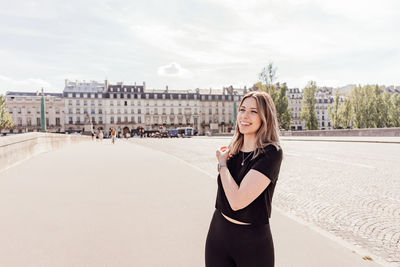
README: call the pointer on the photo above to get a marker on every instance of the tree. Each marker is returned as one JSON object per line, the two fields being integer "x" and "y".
{"x": 334, "y": 111}
{"x": 308, "y": 111}
{"x": 277, "y": 93}
{"x": 6, "y": 121}
{"x": 345, "y": 114}
{"x": 357, "y": 105}
{"x": 268, "y": 76}
{"x": 282, "y": 108}
{"x": 385, "y": 111}
{"x": 394, "y": 111}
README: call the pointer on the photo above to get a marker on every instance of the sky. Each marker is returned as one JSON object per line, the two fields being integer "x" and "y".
{"x": 188, "y": 44}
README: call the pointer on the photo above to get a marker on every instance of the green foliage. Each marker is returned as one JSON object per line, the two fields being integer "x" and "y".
{"x": 334, "y": 112}
{"x": 278, "y": 95}
{"x": 394, "y": 111}
{"x": 6, "y": 121}
{"x": 282, "y": 108}
{"x": 345, "y": 114}
{"x": 308, "y": 113}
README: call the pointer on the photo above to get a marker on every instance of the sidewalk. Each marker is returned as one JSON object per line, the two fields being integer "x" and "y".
{"x": 98, "y": 204}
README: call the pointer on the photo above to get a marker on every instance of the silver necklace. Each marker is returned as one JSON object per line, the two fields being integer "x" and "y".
{"x": 244, "y": 159}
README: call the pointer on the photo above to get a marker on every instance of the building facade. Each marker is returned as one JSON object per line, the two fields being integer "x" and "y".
{"x": 25, "y": 109}
{"x": 91, "y": 106}
{"x": 130, "y": 107}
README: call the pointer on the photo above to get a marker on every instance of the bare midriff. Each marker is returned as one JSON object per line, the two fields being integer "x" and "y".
{"x": 234, "y": 221}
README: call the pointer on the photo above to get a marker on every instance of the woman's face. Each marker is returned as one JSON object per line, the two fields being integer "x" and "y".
{"x": 248, "y": 117}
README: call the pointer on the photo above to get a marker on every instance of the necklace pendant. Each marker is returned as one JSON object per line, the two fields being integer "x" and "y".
{"x": 242, "y": 163}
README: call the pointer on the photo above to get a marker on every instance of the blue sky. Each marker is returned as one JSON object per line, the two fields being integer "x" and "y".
{"x": 189, "y": 44}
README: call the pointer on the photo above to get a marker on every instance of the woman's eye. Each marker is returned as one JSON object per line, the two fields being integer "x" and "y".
{"x": 254, "y": 111}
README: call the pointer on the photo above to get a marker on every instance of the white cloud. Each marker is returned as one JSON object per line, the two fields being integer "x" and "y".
{"x": 28, "y": 85}
{"x": 221, "y": 42}
{"x": 173, "y": 70}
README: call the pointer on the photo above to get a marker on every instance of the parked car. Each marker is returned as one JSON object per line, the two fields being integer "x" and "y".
{"x": 173, "y": 133}
{"x": 164, "y": 134}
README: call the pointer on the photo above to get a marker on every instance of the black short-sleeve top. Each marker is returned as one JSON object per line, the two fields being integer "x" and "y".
{"x": 268, "y": 163}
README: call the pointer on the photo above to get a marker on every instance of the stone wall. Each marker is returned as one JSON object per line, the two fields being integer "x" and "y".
{"x": 346, "y": 132}
{"x": 20, "y": 147}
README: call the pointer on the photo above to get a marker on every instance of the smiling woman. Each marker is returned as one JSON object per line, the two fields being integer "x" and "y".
{"x": 239, "y": 233}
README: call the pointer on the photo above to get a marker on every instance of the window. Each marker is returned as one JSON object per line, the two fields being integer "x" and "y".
{"x": 139, "y": 111}
{"x": 112, "y": 119}
{"x": 70, "y": 102}
{"x": 57, "y": 111}
{"x": 85, "y": 102}
{"x": 10, "y": 110}
{"x": 85, "y": 111}
{"x": 139, "y": 119}
{"x": 58, "y": 122}
{"x": 92, "y": 102}
{"x": 125, "y": 103}
{"x": 119, "y": 119}
{"x": 78, "y": 111}
{"x": 38, "y": 121}
{"x": 111, "y": 103}
{"x": 126, "y": 119}
{"x": 92, "y": 111}
{"x": 29, "y": 121}
{"x": 100, "y": 111}
{"x": 78, "y": 102}
{"x": 70, "y": 120}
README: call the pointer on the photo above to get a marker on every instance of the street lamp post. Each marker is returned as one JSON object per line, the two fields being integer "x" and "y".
{"x": 43, "y": 126}
{"x": 234, "y": 115}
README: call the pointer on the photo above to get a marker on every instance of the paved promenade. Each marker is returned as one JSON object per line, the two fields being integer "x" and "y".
{"x": 348, "y": 189}
{"x": 132, "y": 204}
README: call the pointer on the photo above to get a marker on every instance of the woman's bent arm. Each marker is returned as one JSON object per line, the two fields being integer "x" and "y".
{"x": 252, "y": 185}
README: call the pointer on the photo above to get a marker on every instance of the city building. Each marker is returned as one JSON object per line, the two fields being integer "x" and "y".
{"x": 25, "y": 109}
{"x": 129, "y": 107}
{"x": 295, "y": 99}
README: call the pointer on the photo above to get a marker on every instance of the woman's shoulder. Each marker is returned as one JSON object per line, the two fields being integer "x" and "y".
{"x": 272, "y": 150}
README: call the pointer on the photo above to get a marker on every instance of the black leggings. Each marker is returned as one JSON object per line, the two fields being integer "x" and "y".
{"x": 231, "y": 244}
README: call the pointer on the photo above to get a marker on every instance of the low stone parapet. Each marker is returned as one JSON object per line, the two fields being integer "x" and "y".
{"x": 346, "y": 132}
{"x": 20, "y": 147}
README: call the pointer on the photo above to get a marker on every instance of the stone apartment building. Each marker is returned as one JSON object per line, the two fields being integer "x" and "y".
{"x": 24, "y": 107}
{"x": 126, "y": 107}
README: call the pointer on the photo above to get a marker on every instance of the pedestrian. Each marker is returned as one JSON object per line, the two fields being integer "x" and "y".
{"x": 113, "y": 135}
{"x": 92, "y": 135}
{"x": 239, "y": 233}
{"x": 101, "y": 135}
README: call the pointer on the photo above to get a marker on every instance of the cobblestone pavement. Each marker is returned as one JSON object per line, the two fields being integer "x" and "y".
{"x": 349, "y": 189}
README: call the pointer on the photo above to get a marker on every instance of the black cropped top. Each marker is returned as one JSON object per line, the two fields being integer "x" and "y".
{"x": 268, "y": 163}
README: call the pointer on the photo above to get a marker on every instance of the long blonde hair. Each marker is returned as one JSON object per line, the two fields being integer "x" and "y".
{"x": 268, "y": 133}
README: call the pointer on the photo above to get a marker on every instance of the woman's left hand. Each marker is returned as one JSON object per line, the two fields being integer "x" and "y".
{"x": 223, "y": 154}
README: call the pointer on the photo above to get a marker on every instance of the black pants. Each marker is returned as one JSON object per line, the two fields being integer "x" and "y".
{"x": 230, "y": 244}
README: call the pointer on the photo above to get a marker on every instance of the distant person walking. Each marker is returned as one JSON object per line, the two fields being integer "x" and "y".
{"x": 113, "y": 135}
{"x": 239, "y": 233}
{"x": 101, "y": 135}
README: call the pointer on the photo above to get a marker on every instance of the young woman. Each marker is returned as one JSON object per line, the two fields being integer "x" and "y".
{"x": 239, "y": 233}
